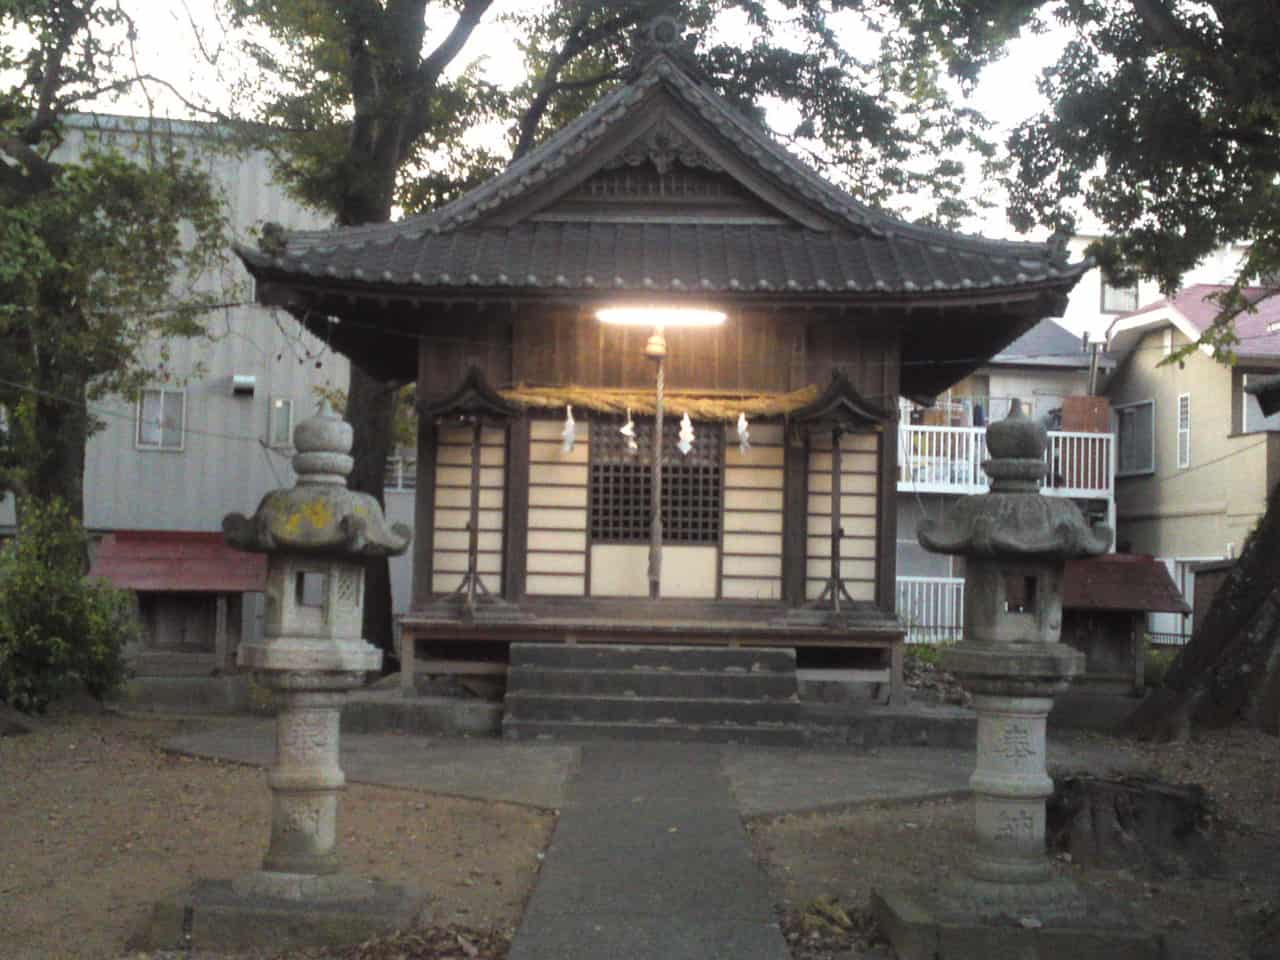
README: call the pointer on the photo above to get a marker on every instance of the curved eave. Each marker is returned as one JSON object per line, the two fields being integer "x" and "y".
{"x": 387, "y": 286}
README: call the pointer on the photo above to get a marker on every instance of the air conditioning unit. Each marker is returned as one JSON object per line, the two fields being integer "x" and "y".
{"x": 243, "y": 385}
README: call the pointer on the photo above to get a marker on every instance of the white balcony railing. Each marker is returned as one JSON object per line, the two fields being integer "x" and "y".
{"x": 931, "y": 607}
{"x": 949, "y": 460}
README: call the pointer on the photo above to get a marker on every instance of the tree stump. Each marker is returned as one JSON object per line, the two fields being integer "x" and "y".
{"x": 1128, "y": 822}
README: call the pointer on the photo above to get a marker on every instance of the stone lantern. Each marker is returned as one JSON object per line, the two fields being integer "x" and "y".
{"x": 317, "y": 537}
{"x": 1015, "y": 542}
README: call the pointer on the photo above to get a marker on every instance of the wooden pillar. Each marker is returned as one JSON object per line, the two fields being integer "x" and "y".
{"x": 222, "y": 654}
{"x": 837, "y": 529}
{"x": 515, "y": 538}
{"x": 424, "y": 513}
{"x": 795, "y": 518}
{"x": 887, "y": 520}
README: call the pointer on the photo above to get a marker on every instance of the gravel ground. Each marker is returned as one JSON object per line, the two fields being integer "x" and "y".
{"x": 99, "y": 823}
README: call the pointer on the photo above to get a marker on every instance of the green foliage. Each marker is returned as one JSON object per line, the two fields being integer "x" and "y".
{"x": 866, "y": 83}
{"x": 105, "y": 235}
{"x": 1164, "y": 121}
{"x": 930, "y": 653}
{"x": 369, "y": 105}
{"x": 59, "y": 631}
{"x": 1156, "y": 664}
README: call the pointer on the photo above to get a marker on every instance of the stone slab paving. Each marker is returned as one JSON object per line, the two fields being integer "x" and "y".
{"x": 650, "y": 861}
{"x": 775, "y": 780}
{"x": 764, "y": 780}
{"x": 482, "y": 769}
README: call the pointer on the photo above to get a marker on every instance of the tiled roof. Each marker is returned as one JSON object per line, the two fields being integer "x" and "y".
{"x": 1047, "y": 344}
{"x": 461, "y": 246}
{"x": 1258, "y": 330}
{"x": 1121, "y": 581}
{"x": 680, "y": 257}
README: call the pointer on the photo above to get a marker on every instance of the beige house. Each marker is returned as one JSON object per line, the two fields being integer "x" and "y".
{"x": 1195, "y": 454}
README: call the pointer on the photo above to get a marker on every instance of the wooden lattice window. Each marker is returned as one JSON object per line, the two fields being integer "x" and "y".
{"x": 621, "y": 483}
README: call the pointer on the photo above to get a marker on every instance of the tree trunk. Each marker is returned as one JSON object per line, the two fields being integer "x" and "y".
{"x": 371, "y": 405}
{"x": 1129, "y": 822}
{"x": 53, "y": 446}
{"x": 1230, "y": 669}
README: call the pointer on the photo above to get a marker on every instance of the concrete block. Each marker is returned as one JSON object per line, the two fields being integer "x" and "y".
{"x": 921, "y": 927}
{"x": 212, "y": 916}
{"x": 228, "y": 693}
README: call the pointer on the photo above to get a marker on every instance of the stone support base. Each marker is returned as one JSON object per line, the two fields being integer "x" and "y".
{"x": 213, "y": 915}
{"x": 1052, "y": 922}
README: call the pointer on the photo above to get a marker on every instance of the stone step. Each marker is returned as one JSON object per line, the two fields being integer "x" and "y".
{"x": 522, "y": 705}
{"x": 880, "y": 726}
{"x": 676, "y": 657}
{"x": 650, "y": 682}
{"x": 753, "y": 735}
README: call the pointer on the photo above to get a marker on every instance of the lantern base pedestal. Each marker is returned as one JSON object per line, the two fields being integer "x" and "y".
{"x": 974, "y": 920}
{"x": 216, "y": 915}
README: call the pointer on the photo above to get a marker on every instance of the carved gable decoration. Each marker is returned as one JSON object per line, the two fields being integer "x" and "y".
{"x": 646, "y": 189}
{"x": 663, "y": 146}
{"x": 662, "y": 173}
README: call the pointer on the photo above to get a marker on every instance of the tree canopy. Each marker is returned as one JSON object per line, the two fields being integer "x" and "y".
{"x": 389, "y": 85}
{"x": 99, "y": 250}
{"x": 1163, "y": 121}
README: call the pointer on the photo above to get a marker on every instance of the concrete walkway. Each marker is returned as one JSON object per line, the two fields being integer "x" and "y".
{"x": 649, "y": 859}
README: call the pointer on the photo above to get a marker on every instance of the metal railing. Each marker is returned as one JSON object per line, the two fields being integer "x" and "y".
{"x": 932, "y": 608}
{"x": 402, "y": 474}
{"x": 949, "y": 460}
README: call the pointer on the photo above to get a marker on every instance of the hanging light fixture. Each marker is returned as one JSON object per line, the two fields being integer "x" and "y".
{"x": 657, "y": 316}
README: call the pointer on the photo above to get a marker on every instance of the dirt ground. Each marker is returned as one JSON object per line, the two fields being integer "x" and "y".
{"x": 1206, "y": 914}
{"x": 97, "y": 823}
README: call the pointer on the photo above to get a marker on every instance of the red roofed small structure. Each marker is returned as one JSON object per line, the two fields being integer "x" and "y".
{"x": 190, "y": 587}
{"x": 171, "y": 561}
{"x": 1104, "y": 606}
{"x": 1121, "y": 581}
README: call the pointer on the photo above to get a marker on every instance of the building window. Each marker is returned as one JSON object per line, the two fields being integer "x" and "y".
{"x": 621, "y": 483}
{"x": 1184, "y": 430}
{"x": 280, "y": 425}
{"x": 161, "y": 419}
{"x": 1135, "y": 437}
{"x": 1119, "y": 298}
{"x": 1252, "y": 419}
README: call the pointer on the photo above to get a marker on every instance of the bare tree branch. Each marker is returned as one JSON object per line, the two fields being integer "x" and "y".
{"x": 428, "y": 75}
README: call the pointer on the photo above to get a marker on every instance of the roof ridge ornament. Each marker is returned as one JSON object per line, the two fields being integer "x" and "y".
{"x": 664, "y": 35}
